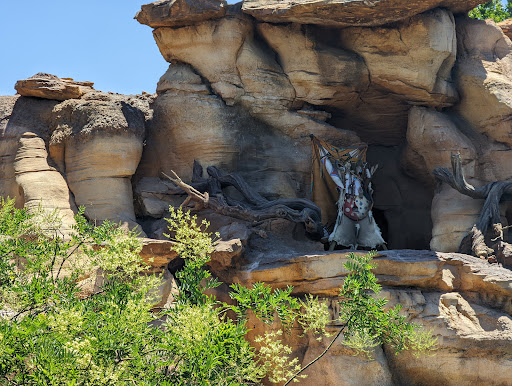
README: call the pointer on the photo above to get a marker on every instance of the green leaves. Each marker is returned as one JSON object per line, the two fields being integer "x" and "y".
{"x": 366, "y": 318}
{"x": 265, "y": 303}
{"x": 53, "y": 334}
{"x": 194, "y": 246}
{"x": 493, "y": 9}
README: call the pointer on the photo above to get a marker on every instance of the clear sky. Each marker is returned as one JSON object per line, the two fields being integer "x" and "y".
{"x": 94, "y": 40}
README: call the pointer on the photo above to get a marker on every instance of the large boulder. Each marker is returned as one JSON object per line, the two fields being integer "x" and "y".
{"x": 432, "y": 138}
{"x": 343, "y": 13}
{"x": 98, "y": 143}
{"x": 462, "y": 300}
{"x": 28, "y": 174}
{"x": 412, "y": 59}
{"x": 177, "y": 13}
{"x": 52, "y": 87}
{"x": 8, "y": 146}
{"x": 484, "y": 76}
{"x": 211, "y": 41}
{"x": 320, "y": 74}
{"x": 506, "y": 27}
{"x": 269, "y": 146}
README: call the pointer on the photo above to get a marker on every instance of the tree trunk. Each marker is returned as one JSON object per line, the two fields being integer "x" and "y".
{"x": 489, "y": 219}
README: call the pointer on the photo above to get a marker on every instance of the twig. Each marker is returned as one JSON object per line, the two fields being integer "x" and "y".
{"x": 318, "y": 357}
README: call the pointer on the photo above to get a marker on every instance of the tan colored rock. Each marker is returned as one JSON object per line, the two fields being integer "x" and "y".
{"x": 165, "y": 293}
{"x": 322, "y": 273}
{"x": 212, "y": 41}
{"x": 226, "y": 254}
{"x": 41, "y": 186}
{"x": 98, "y": 173}
{"x": 413, "y": 59}
{"x": 27, "y": 173}
{"x": 100, "y": 144}
{"x": 8, "y": 147}
{"x": 272, "y": 151}
{"x": 434, "y": 137}
{"x": 52, "y": 87}
{"x": 265, "y": 84}
{"x": 182, "y": 137}
{"x": 506, "y": 27}
{"x": 462, "y": 300}
{"x": 342, "y": 366}
{"x": 320, "y": 75}
{"x": 473, "y": 341}
{"x": 157, "y": 253}
{"x": 484, "y": 78}
{"x": 345, "y": 13}
{"x": 453, "y": 216}
{"x": 177, "y": 13}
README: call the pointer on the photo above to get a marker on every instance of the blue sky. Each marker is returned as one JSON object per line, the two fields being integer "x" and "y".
{"x": 95, "y": 40}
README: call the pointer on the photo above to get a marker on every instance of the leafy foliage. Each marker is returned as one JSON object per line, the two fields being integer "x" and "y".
{"x": 367, "y": 321}
{"x": 52, "y": 332}
{"x": 52, "y": 335}
{"x": 493, "y": 9}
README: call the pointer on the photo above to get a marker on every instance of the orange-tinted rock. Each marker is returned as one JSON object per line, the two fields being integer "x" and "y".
{"x": 506, "y": 26}
{"x": 52, "y": 87}
{"x": 177, "y": 13}
{"x": 345, "y": 13}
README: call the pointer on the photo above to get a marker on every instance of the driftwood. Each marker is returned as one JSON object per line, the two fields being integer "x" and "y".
{"x": 489, "y": 220}
{"x": 208, "y": 194}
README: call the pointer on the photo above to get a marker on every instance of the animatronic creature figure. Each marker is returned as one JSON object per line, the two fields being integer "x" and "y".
{"x": 350, "y": 187}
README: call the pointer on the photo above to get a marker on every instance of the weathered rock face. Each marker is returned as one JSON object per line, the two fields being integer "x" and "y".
{"x": 52, "y": 87}
{"x": 413, "y": 59}
{"x": 272, "y": 85}
{"x": 246, "y": 85}
{"x": 478, "y": 127}
{"x": 99, "y": 145}
{"x": 81, "y": 151}
{"x": 175, "y": 13}
{"x": 464, "y": 301}
{"x": 506, "y": 27}
{"x": 343, "y": 13}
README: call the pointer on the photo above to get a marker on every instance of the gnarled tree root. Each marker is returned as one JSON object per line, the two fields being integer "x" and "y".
{"x": 493, "y": 193}
{"x": 256, "y": 209}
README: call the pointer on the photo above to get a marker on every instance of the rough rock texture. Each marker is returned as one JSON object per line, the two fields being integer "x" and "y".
{"x": 320, "y": 75}
{"x": 506, "y": 27}
{"x": 273, "y": 85}
{"x": 98, "y": 143}
{"x": 8, "y": 146}
{"x": 343, "y": 13}
{"x": 52, "y": 87}
{"x": 415, "y": 80}
{"x": 483, "y": 73}
{"x": 77, "y": 152}
{"x": 465, "y": 302}
{"x": 27, "y": 173}
{"x": 478, "y": 127}
{"x": 413, "y": 59}
{"x": 176, "y": 13}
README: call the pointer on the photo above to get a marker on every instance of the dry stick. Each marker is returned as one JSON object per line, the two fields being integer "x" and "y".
{"x": 318, "y": 357}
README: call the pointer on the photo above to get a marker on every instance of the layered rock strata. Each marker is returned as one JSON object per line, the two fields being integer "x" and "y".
{"x": 65, "y": 149}
{"x": 464, "y": 302}
{"x": 343, "y": 13}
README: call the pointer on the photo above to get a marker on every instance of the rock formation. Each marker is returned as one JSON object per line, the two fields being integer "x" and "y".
{"x": 246, "y": 86}
{"x": 62, "y": 150}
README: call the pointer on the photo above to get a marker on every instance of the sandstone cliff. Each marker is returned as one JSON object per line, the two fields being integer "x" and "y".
{"x": 246, "y": 85}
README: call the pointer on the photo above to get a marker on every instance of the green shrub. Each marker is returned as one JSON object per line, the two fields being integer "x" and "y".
{"x": 53, "y": 334}
{"x": 493, "y": 9}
